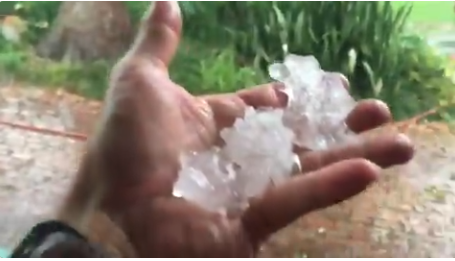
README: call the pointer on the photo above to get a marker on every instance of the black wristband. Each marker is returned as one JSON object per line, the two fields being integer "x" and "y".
{"x": 56, "y": 239}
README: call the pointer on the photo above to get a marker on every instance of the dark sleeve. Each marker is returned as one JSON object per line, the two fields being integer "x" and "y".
{"x": 54, "y": 239}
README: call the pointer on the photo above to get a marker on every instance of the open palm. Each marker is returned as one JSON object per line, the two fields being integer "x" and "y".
{"x": 148, "y": 121}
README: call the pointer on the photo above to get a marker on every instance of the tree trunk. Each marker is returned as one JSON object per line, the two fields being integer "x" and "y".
{"x": 88, "y": 31}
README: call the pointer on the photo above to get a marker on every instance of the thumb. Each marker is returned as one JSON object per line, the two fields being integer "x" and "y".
{"x": 159, "y": 35}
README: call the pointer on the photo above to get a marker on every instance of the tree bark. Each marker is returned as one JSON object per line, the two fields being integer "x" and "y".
{"x": 88, "y": 31}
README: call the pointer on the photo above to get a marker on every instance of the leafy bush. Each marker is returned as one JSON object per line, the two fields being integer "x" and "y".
{"x": 226, "y": 41}
{"x": 211, "y": 72}
{"x": 39, "y": 16}
{"x": 207, "y": 70}
{"x": 199, "y": 68}
{"x": 86, "y": 79}
{"x": 415, "y": 80}
{"x": 363, "y": 40}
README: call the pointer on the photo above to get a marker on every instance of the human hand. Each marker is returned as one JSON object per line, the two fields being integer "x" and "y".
{"x": 148, "y": 121}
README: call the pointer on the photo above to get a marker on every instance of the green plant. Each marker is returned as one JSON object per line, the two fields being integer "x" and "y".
{"x": 224, "y": 43}
{"x": 204, "y": 70}
{"x": 415, "y": 80}
{"x": 223, "y": 75}
{"x": 364, "y": 40}
{"x": 38, "y": 15}
{"x": 89, "y": 80}
{"x": 198, "y": 69}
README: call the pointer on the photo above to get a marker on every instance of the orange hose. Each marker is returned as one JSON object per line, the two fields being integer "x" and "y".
{"x": 83, "y": 137}
{"x": 71, "y": 135}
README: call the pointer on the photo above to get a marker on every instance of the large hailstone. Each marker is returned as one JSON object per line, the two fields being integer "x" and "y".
{"x": 258, "y": 150}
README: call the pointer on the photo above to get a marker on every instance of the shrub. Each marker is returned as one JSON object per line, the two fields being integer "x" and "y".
{"x": 39, "y": 16}
{"x": 225, "y": 41}
{"x": 199, "y": 67}
{"x": 199, "y": 70}
{"x": 415, "y": 80}
{"x": 204, "y": 70}
{"x": 85, "y": 79}
{"x": 363, "y": 40}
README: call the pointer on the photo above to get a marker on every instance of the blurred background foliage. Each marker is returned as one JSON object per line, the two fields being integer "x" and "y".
{"x": 228, "y": 45}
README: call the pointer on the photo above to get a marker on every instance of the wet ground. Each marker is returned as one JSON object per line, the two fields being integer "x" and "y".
{"x": 409, "y": 213}
{"x": 36, "y": 168}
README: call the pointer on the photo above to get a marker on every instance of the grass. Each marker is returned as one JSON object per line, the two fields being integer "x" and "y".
{"x": 430, "y": 11}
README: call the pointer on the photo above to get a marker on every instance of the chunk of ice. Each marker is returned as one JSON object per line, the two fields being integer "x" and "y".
{"x": 258, "y": 148}
{"x": 319, "y": 103}
{"x": 261, "y": 146}
{"x": 206, "y": 180}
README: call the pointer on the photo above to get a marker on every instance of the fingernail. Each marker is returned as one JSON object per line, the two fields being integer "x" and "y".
{"x": 168, "y": 9}
{"x": 403, "y": 139}
{"x": 375, "y": 167}
{"x": 340, "y": 76}
{"x": 281, "y": 94}
{"x": 407, "y": 149}
{"x": 174, "y": 8}
{"x": 344, "y": 80}
{"x": 165, "y": 12}
{"x": 382, "y": 105}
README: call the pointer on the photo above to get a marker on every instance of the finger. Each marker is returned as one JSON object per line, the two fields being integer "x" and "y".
{"x": 367, "y": 115}
{"x": 272, "y": 94}
{"x": 159, "y": 35}
{"x": 384, "y": 151}
{"x": 267, "y": 95}
{"x": 302, "y": 194}
{"x": 228, "y": 107}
